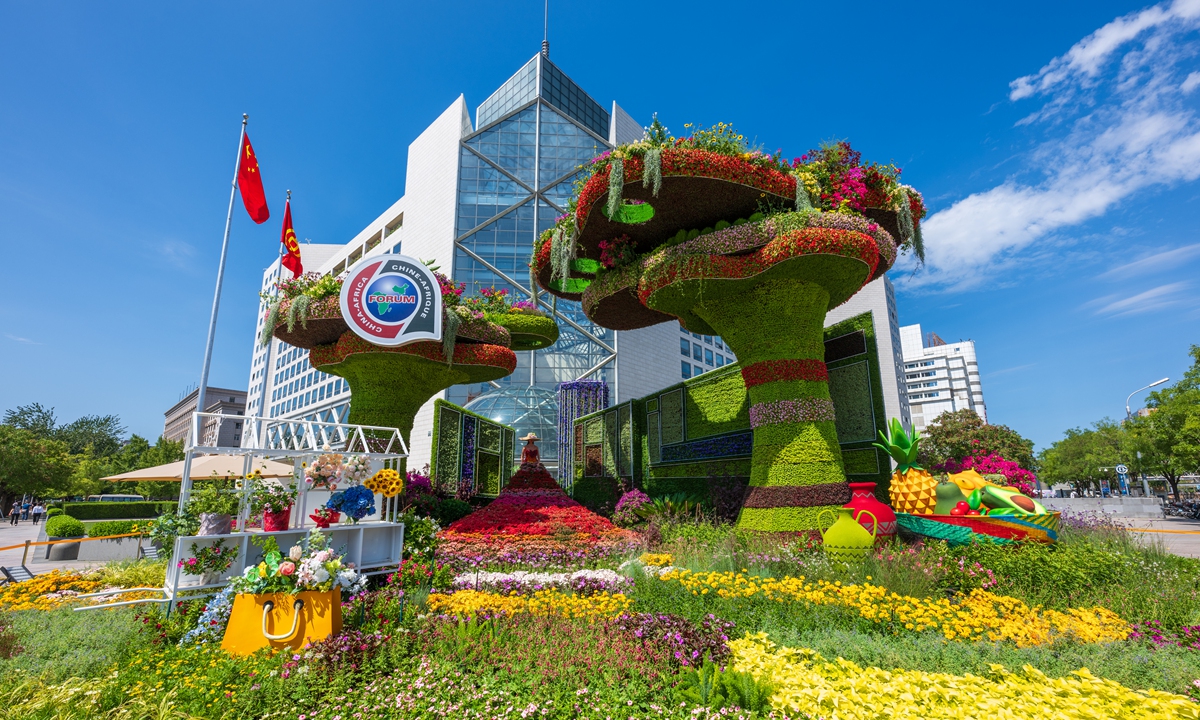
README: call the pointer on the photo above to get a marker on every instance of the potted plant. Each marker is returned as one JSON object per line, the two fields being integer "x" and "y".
{"x": 59, "y": 528}
{"x": 274, "y": 500}
{"x": 288, "y": 601}
{"x": 215, "y": 503}
{"x": 210, "y": 562}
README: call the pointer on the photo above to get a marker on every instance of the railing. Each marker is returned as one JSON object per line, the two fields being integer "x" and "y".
{"x": 290, "y": 437}
{"x": 29, "y": 543}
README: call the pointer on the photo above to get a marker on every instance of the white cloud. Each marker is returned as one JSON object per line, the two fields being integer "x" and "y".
{"x": 22, "y": 340}
{"x": 1166, "y": 260}
{"x": 1190, "y": 83}
{"x": 1152, "y": 299}
{"x": 1118, "y": 95}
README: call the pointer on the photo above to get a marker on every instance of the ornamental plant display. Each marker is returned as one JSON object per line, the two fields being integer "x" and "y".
{"x": 356, "y": 502}
{"x": 211, "y": 559}
{"x": 272, "y": 496}
{"x": 992, "y": 464}
{"x": 311, "y": 566}
{"x": 753, "y": 248}
{"x": 356, "y": 469}
{"x": 214, "y": 496}
{"x": 323, "y": 473}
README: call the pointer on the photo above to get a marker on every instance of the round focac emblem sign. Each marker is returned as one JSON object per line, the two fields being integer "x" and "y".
{"x": 393, "y": 300}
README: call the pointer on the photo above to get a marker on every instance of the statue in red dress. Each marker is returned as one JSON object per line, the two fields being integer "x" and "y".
{"x": 529, "y": 453}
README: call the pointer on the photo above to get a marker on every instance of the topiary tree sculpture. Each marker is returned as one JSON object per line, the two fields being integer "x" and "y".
{"x": 749, "y": 247}
{"x": 388, "y": 385}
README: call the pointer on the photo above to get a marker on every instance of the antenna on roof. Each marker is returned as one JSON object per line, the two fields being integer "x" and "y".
{"x": 546, "y": 31}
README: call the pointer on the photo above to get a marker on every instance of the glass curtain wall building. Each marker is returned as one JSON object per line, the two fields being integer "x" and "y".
{"x": 516, "y": 174}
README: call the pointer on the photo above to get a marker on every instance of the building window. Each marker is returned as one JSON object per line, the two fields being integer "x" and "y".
{"x": 685, "y": 347}
{"x": 687, "y": 369}
{"x": 708, "y": 339}
{"x": 697, "y": 352}
{"x": 717, "y": 340}
{"x": 682, "y": 329}
{"x": 708, "y": 356}
{"x": 720, "y": 360}
{"x": 697, "y": 370}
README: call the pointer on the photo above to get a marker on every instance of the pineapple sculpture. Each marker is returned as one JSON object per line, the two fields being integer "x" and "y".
{"x": 913, "y": 490}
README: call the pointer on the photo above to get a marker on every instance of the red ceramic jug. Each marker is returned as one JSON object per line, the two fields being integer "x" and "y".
{"x": 862, "y": 497}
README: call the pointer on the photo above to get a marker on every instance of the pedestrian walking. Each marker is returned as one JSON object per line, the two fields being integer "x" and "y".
{"x": 25, "y": 511}
{"x": 14, "y": 517}
{"x": 37, "y": 512}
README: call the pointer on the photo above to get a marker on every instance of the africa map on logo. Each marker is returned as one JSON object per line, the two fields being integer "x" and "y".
{"x": 391, "y": 298}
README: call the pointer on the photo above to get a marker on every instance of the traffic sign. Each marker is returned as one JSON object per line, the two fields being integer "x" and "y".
{"x": 1122, "y": 470}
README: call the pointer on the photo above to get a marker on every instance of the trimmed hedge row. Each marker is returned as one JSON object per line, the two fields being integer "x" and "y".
{"x": 105, "y": 528}
{"x": 64, "y": 526}
{"x": 117, "y": 510}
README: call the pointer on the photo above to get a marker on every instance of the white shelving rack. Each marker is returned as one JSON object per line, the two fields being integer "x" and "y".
{"x": 374, "y": 544}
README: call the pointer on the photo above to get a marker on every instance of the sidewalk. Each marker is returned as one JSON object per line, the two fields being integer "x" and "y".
{"x": 36, "y": 562}
{"x": 1179, "y": 535}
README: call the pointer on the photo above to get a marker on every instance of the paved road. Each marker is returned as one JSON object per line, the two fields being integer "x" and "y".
{"x": 26, "y": 530}
{"x": 1178, "y": 535}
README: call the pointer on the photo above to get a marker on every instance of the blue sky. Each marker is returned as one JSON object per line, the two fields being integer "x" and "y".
{"x": 1057, "y": 145}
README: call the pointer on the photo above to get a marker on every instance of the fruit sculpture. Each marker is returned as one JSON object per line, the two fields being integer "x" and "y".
{"x": 965, "y": 506}
{"x": 912, "y": 490}
{"x": 390, "y": 384}
{"x": 751, "y": 247}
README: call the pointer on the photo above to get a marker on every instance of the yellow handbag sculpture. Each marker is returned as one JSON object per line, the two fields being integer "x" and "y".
{"x": 282, "y": 620}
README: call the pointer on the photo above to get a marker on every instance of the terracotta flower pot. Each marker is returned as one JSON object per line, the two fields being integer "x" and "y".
{"x": 276, "y": 521}
{"x": 863, "y": 498}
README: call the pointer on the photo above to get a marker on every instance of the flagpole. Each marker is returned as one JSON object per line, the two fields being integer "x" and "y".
{"x": 186, "y": 481}
{"x": 262, "y": 395}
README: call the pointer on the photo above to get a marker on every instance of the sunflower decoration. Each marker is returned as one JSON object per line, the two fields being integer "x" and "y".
{"x": 387, "y": 482}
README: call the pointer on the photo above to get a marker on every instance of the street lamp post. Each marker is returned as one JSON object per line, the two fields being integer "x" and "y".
{"x": 1128, "y": 416}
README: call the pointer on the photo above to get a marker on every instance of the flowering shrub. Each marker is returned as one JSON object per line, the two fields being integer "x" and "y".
{"x": 625, "y": 514}
{"x": 1186, "y": 636}
{"x": 214, "y": 617}
{"x": 688, "y": 644}
{"x": 347, "y": 651}
{"x": 617, "y": 252}
{"x": 417, "y": 574}
{"x": 272, "y": 496}
{"x": 215, "y": 558}
{"x": 974, "y": 616}
{"x": 807, "y": 685}
{"x": 473, "y": 603}
{"x": 992, "y": 464}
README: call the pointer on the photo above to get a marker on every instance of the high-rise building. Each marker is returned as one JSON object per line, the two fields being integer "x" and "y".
{"x": 941, "y": 376}
{"x": 476, "y": 198}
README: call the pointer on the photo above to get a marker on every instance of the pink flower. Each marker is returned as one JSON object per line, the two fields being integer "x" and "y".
{"x": 287, "y": 568}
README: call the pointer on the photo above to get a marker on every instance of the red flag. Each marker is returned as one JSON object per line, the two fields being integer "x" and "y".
{"x": 250, "y": 184}
{"x": 291, "y": 260}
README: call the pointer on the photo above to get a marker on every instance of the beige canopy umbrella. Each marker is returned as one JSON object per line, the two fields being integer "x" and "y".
{"x": 204, "y": 466}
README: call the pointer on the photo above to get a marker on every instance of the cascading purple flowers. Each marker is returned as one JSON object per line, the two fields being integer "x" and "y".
{"x": 808, "y": 409}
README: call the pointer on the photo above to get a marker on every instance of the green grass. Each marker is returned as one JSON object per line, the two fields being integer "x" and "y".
{"x": 61, "y": 644}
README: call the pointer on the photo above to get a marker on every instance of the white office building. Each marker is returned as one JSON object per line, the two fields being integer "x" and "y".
{"x": 879, "y": 299}
{"x": 476, "y": 197}
{"x": 941, "y": 376}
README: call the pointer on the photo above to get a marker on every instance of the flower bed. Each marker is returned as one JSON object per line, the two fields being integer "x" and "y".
{"x": 521, "y": 582}
{"x": 806, "y": 685}
{"x": 472, "y": 603}
{"x": 980, "y": 615}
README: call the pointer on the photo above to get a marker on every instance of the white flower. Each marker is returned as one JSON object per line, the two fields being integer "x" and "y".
{"x": 296, "y": 553}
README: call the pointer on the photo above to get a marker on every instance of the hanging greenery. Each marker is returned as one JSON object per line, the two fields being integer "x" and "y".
{"x": 616, "y": 186}
{"x": 298, "y": 310}
{"x": 450, "y": 323}
{"x": 652, "y": 172}
{"x": 272, "y": 320}
{"x": 562, "y": 254}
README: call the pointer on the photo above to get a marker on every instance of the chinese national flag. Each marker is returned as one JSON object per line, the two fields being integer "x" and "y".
{"x": 250, "y": 184}
{"x": 291, "y": 258}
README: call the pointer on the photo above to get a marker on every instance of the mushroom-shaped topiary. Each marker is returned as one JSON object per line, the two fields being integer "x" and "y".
{"x": 388, "y": 385}
{"x": 749, "y": 247}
